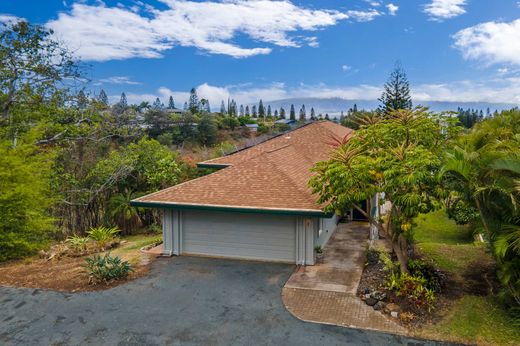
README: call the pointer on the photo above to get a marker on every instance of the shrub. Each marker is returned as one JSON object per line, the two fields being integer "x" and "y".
{"x": 432, "y": 276}
{"x": 414, "y": 287}
{"x": 106, "y": 268}
{"x": 77, "y": 243}
{"x": 103, "y": 235}
{"x": 318, "y": 249}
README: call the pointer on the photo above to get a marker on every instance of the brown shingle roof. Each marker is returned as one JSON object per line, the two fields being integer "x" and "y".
{"x": 272, "y": 175}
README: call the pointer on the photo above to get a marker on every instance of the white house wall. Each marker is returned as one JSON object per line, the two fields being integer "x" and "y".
{"x": 326, "y": 227}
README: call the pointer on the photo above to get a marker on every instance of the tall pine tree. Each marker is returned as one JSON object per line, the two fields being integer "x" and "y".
{"x": 193, "y": 104}
{"x": 282, "y": 113}
{"x": 122, "y": 101}
{"x": 292, "y": 114}
{"x": 396, "y": 94}
{"x": 171, "y": 104}
{"x": 269, "y": 111}
{"x": 222, "y": 108}
{"x": 103, "y": 98}
{"x": 261, "y": 109}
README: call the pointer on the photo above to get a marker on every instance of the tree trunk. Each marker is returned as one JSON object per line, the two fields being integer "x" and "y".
{"x": 400, "y": 248}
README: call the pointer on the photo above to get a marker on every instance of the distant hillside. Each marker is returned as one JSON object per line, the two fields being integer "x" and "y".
{"x": 334, "y": 106}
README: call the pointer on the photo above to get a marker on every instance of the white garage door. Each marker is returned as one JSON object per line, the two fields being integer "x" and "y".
{"x": 238, "y": 235}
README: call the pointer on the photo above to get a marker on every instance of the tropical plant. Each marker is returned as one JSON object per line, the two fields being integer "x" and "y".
{"x": 106, "y": 268}
{"x": 399, "y": 156}
{"x": 483, "y": 168}
{"x": 103, "y": 236}
{"x": 122, "y": 213}
{"x": 77, "y": 243}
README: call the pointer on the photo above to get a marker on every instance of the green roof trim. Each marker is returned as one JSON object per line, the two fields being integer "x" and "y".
{"x": 212, "y": 165}
{"x": 230, "y": 209}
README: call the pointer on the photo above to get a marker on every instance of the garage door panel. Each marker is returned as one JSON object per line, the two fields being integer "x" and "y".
{"x": 254, "y": 236}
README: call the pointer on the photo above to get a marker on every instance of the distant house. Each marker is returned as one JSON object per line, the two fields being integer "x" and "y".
{"x": 285, "y": 121}
{"x": 257, "y": 205}
{"x": 174, "y": 111}
{"x": 252, "y": 127}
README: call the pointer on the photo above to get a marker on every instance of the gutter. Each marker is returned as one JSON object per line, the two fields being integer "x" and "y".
{"x": 252, "y": 210}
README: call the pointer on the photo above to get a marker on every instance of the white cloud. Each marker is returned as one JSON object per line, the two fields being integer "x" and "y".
{"x": 8, "y": 18}
{"x": 491, "y": 42}
{"x": 439, "y": 10}
{"x": 499, "y": 90}
{"x": 364, "y": 16}
{"x": 99, "y": 32}
{"x": 346, "y": 68}
{"x": 392, "y": 9}
{"x": 118, "y": 80}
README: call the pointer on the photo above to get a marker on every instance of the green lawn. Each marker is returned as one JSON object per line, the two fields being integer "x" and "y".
{"x": 475, "y": 320}
{"x": 472, "y": 319}
{"x": 435, "y": 227}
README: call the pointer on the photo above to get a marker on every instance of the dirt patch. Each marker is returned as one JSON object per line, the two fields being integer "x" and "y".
{"x": 67, "y": 273}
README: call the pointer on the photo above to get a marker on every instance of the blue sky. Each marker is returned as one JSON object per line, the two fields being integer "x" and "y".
{"x": 453, "y": 50}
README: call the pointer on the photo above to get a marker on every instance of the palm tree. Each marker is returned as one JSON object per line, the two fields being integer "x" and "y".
{"x": 484, "y": 169}
{"x": 125, "y": 216}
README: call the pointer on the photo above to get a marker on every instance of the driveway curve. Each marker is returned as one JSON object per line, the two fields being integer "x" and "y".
{"x": 183, "y": 301}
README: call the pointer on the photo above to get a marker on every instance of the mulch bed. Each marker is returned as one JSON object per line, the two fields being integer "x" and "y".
{"x": 64, "y": 274}
{"x": 477, "y": 280}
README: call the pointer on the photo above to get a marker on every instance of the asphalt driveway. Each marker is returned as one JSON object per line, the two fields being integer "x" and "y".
{"x": 185, "y": 300}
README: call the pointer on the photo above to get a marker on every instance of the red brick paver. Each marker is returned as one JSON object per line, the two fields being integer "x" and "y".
{"x": 341, "y": 309}
{"x": 326, "y": 292}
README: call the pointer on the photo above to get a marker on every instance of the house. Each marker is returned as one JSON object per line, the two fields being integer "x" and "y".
{"x": 285, "y": 121}
{"x": 252, "y": 127}
{"x": 257, "y": 205}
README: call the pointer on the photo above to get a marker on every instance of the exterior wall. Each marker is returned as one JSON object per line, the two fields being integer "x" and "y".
{"x": 303, "y": 229}
{"x": 325, "y": 229}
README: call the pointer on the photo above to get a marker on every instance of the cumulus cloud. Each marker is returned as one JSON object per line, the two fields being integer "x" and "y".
{"x": 118, "y": 80}
{"x": 499, "y": 90}
{"x": 8, "y": 18}
{"x": 99, "y": 32}
{"x": 392, "y": 9}
{"x": 491, "y": 42}
{"x": 439, "y": 10}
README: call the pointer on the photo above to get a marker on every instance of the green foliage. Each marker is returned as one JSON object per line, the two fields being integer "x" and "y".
{"x": 145, "y": 166}
{"x": 483, "y": 168}
{"x": 25, "y": 199}
{"x": 106, "y": 268}
{"x": 398, "y": 155}
{"x": 207, "y": 129}
{"x": 77, "y": 243}
{"x": 103, "y": 236}
{"x": 318, "y": 249}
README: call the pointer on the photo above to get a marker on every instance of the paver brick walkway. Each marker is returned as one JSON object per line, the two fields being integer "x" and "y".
{"x": 326, "y": 292}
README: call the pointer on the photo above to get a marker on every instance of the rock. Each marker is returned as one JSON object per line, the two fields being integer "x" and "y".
{"x": 370, "y": 301}
{"x": 394, "y": 314}
{"x": 379, "y": 305}
{"x": 378, "y": 295}
{"x": 392, "y": 307}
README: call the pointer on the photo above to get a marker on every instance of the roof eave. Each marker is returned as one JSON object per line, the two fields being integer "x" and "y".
{"x": 212, "y": 165}
{"x": 235, "y": 209}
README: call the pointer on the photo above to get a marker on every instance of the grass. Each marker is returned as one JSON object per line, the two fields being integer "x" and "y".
{"x": 435, "y": 227}
{"x": 129, "y": 250}
{"x": 471, "y": 319}
{"x": 476, "y": 320}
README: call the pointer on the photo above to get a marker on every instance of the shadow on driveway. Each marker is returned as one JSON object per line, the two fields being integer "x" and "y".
{"x": 184, "y": 300}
